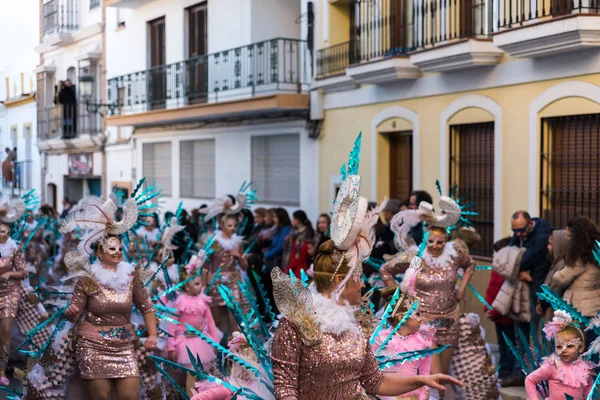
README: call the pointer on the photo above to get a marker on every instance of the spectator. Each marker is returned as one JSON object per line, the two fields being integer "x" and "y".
{"x": 416, "y": 197}
{"x": 384, "y": 237}
{"x": 68, "y": 98}
{"x": 321, "y": 233}
{"x": 580, "y": 278}
{"x": 297, "y": 243}
{"x": 557, "y": 253}
{"x": 504, "y": 324}
{"x": 67, "y": 205}
{"x": 274, "y": 254}
{"x": 532, "y": 234}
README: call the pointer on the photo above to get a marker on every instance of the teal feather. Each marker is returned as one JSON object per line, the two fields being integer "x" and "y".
{"x": 595, "y": 392}
{"x": 343, "y": 173}
{"x": 483, "y": 268}
{"x": 558, "y": 303}
{"x": 536, "y": 345}
{"x": 408, "y": 314}
{"x": 597, "y": 252}
{"x": 304, "y": 277}
{"x": 410, "y": 356}
{"x": 181, "y": 284}
{"x": 254, "y": 308}
{"x": 517, "y": 354}
{"x": 213, "y": 280}
{"x": 137, "y": 187}
{"x": 525, "y": 343}
{"x": 264, "y": 296}
{"x": 354, "y": 159}
{"x": 388, "y": 311}
{"x": 453, "y": 191}
{"x": 248, "y": 249}
{"x": 423, "y": 245}
{"x": 157, "y": 360}
{"x": 480, "y": 297}
{"x": 32, "y": 234}
{"x": 160, "y": 267}
{"x": 439, "y": 187}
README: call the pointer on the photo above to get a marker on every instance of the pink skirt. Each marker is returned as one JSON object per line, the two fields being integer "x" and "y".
{"x": 198, "y": 348}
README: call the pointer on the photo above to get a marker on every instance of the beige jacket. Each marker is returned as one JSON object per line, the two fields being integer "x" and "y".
{"x": 513, "y": 298}
{"x": 581, "y": 284}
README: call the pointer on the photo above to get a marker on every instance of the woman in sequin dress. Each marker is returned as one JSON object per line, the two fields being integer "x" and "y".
{"x": 435, "y": 286}
{"x": 12, "y": 271}
{"x": 105, "y": 337}
{"x": 228, "y": 255}
{"x": 332, "y": 360}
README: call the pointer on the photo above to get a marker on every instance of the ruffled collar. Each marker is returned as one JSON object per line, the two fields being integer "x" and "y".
{"x": 118, "y": 280}
{"x": 443, "y": 260}
{"x": 576, "y": 374}
{"x": 334, "y": 318}
{"x": 7, "y": 249}
{"x": 420, "y": 340}
{"x": 228, "y": 244}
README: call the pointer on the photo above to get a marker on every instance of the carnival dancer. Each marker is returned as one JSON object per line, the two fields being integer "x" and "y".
{"x": 412, "y": 336}
{"x": 193, "y": 307}
{"x": 566, "y": 372}
{"x": 106, "y": 292}
{"x": 12, "y": 272}
{"x": 437, "y": 277}
{"x": 227, "y": 260}
{"x": 320, "y": 350}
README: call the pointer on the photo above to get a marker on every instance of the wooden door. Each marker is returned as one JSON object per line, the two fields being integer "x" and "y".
{"x": 398, "y": 27}
{"x": 466, "y": 20}
{"x": 157, "y": 77}
{"x": 197, "y": 63}
{"x": 401, "y": 165}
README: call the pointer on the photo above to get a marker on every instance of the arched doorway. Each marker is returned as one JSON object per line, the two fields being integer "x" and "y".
{"x": 51, "y": 195}
{"x": 395, "y": 155}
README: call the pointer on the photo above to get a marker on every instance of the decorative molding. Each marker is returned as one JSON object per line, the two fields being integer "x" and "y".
{"x": 79, "y": 144}
{"x": 337, "y": 83}
{"x": 56, "y": 40}
{"x": 394, "y": 112}
{"x": 486, "y": 104}
{"x": 19, "y": 101}
{"x": 384, "y": 71}
{"x": 459, "y": 55}
{"x": 562, "y": 90}
{"x": 573, "y": 32}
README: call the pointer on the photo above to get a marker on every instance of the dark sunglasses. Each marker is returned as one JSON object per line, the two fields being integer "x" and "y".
{"x": 522, "y": 230}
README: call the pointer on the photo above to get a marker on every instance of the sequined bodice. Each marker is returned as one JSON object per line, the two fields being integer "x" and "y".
{"x": 338, "y": 368}
{"x": 436, "y": 288}
{"x": 6, "y": 265}
{"x": 108, "y": 307}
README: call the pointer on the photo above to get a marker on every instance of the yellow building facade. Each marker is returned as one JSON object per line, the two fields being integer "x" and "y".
{"x": 499, "y": 98}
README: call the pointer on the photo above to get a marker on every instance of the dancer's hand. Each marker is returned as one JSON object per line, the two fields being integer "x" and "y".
{"x": 5, "y": 276}
{"x": 151, "y": 343}
{"x": 438, "y": 381}
{"x": 71, "y": 311}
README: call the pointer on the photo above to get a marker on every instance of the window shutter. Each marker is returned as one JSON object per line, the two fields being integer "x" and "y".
{"x": 157, "y": 165}
{"x": 276, "y": 169}
{"x": 197, "y": 173}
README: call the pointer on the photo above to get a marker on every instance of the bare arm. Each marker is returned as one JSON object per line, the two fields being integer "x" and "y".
{"x": 396, "y": 385}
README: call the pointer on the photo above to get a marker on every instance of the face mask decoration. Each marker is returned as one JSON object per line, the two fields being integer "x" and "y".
{"x": 112, "y": 246}
{"x": 562, "y": 345}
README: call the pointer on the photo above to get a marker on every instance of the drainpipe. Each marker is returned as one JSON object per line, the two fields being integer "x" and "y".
{"x": 103, "y": 90}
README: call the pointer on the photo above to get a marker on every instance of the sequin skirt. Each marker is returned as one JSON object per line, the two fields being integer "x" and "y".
{"x": 229, "y": 279}
{"x": 446, "y": 326}
{"x": 10, "y": 295}
{"x": 108, "y": 355}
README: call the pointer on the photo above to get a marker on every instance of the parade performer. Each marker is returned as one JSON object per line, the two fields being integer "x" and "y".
{"x": 412, "y": 336}
{"x": 106, "y": 292}
{"x": 320, "y": 350}
{"x": 566, "y": 372}
{"x": 12, "y": 272}
{"x": 437, "y": 273}
{"x": 193, "y": 307}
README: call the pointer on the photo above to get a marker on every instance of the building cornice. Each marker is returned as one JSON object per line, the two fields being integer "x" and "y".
{"x": 19, "y": 101}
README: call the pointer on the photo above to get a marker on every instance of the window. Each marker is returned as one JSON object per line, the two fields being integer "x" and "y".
{"x": 157, "y": 165}
{"x": 157, "y": 78}
{"x": 570, "y": 168}
{"x": 94, "y": 4}
{"x": 472, "y": 171}
{"x": 197, "y": 168}
{"x": 276, "y": 169}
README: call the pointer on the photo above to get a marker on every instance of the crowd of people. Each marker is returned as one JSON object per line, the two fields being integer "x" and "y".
{"x": 231, "y": 301}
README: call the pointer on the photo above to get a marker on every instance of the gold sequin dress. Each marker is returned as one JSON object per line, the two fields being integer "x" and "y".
{"x": 341, "y": 366}
{"x": 10, "y": 291}
{"x": 435, "y": 286}
{"x": 105, "y": 337}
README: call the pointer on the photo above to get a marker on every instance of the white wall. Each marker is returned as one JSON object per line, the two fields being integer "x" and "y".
{"x": 231, "y": 23}
{"x": 21, "y": 116}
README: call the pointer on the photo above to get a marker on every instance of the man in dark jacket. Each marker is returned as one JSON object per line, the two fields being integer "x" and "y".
{"x": 532, "y": 234}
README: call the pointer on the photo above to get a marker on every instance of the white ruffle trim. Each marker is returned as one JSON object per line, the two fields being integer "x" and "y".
{"x": 334, "y": 318}
{"x": 118, "y": 280}
{"x": 234, "y": 242}
{"x": 7, "y": 249}
{"x": 443, "y": 260}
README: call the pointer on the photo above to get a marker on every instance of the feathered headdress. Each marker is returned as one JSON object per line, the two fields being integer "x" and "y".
{"x": 351, "y": 223}
{"x": 167, "y": 237}
{"x": 13, "y": 210}
{"x": 196, "y": 262}
{"x": 561, "y": 320}
{"x": 231, "y": 205}
{"x": 98, "y": 221}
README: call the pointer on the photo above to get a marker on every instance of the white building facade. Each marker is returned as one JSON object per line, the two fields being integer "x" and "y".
{"x": 70, "y": 137}
{"x": 18, "y": 116}
{"x": 210, "y": 94}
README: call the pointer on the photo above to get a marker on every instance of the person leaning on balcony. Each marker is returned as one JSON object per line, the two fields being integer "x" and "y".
{"x": 533, "y": 234}
{"x": 68, "y": 98}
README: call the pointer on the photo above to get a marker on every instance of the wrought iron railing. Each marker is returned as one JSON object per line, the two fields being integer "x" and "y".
{"x": 67, "y": 121}
{"x": 61, "y": 16}
{"x": 277, "y": 65}
{"x": 22, "y": 173}
{"x": 513, "y": 13}
{"x": 333, "y": 60}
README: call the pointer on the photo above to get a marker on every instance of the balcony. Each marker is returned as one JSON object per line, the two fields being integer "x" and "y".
{"x": 453, "y": 35}
{"x": 535, "y": 28}
{"x": 60, "y": 16}
{"x": 67, "y": 126}
{"x": 271, "y": 69}
{"x": 23, "y": 174}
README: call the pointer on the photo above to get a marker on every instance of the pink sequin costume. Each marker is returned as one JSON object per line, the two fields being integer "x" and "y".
{"x": 435, "y": 286}
{"x": 193, "y": 310}
{"x": 11, "y": 260}
{"x": 422, "y": 340}
{"x": 575, "y": 379}
{"x": 105, "y": 337}
{"x": 341, "y": 366}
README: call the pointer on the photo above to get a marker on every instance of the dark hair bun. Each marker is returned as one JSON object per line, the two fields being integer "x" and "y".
{"x": 327, "y": 248}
